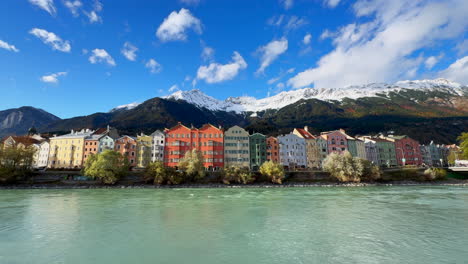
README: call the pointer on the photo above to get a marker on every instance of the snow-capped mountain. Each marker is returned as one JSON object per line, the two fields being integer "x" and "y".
{"x": 251, "y": 104}
{"x": 125, "y": 107}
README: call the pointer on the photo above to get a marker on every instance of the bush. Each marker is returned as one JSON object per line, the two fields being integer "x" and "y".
{"x": 108, "y": 166}
{"x": 192, "y": 165}
{"x": 15, "y": 163}
{"x": 159, "y": 174}
{"x": 431, "y": 174}
{"x": 237, "y": 175}
{"x": 346, "y": 168}
{"x": 273, "y": 171}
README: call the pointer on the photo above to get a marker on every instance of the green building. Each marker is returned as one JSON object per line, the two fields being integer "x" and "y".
{"x": 258, "y": 147}
{"x": 386, "y": 152}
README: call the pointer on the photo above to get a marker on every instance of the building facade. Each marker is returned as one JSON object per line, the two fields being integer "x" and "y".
{"x": 236, "y": 147}
{"x": 292, "y": 151}
{"x": 312, "y": 147}
{"x": 158, "y": 143}
{"x": 67, "y": 151}
{"x": 127, "y": 146}
{"x": 144, "y": 146}
{"x": 42, "y": 155}
{"x": 272, "y": 149}
{"x": 91, "y": 146}
{"x": 372, "y": 151}
{"x": 336, "y": 141}
{"x": 407, "y": 150}
{"x": 258, "y": 150}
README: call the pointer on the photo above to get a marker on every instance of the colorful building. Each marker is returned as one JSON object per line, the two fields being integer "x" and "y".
{"x": 144, "y": 146}
{"x": 312, "y": 148}
{"x": 293, "y": 152}
{"x": 158, "y": 143}
{"x": 42, "y": 155}
{"x": 67, "y": 151}
{"x": 258, "y": 151}
{"x": 356, "y": 147}
{"x": 407, "y": 150}
{"x": 336, "y": 141}
{"x": 209, "y": 140}
{"x": 236, "y": 147}
{"x": 272, "y": 149}
{"x": 372, "y": 152}
{"x": 91, "y": 146}
{"x": 127, "y": 146}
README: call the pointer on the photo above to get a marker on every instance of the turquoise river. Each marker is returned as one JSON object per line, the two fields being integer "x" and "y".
{"x": 272, "y": 225}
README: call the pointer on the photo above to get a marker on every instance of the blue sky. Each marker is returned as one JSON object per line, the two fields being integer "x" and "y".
{"x": 77, "y": 57}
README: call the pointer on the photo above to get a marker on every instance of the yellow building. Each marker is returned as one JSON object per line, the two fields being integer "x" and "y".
{"x": 144, "y": 145}
{"x": 67, "y": 151}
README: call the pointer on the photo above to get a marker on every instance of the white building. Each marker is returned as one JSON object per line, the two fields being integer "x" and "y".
{"x": 157, "y": 149}
{"x": 292, "y": 151}
{"x": 41, "y": 157}
{"x": 106, "y": 143}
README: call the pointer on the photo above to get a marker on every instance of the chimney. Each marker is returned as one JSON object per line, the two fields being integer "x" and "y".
{"x": 108, "y": 128}
{"x": 306, "y": 128}
{"x": 342, "y": 130}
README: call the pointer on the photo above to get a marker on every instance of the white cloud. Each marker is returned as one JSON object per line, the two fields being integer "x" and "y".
{"x": 129, "y": 51}
{"x": 287, "y": 4}
{"x": 275, "y": 20}
{"x": 93, "y": 15}
{"x": 326, "y": 34}
{"x": 457, "y": 71}
{"x": 51, "y": 39}
{"x": 295, "y": 22}
{"x": 462, "y": 47}
{"x": 332, "y": 3}
{"x": 431, "y": 61}
{"x": 270, "y": 52}
{"x": 47, "y": 5}
{"x": 216, "y": 73}
{"x": 174, "y": 88}
{"x": 52, "y": 78}
{"x": 175, "y": 26}
{"x": 307, "y": 39}
{"x": 382, "y": 49}
{"x": 207, "y": 53}
{"x": 73, "y": 6}
{"x": 153, "y": 66}
{"x": 101, "y": 56}
{"x": 9, "y": 47}
{"x": 281, "y": 75}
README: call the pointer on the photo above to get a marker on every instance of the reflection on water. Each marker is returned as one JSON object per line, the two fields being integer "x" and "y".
{"x": 314, "y": 225}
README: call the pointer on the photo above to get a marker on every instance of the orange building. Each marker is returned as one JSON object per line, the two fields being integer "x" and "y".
{"x": 91, "y": 146}
{"x": 272, "y": 149}
{"x": 209, "y": 140}
{"x": 127, "y": 146}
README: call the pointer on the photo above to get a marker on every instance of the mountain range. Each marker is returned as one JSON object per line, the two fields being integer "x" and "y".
{"x": 424, "y": 109}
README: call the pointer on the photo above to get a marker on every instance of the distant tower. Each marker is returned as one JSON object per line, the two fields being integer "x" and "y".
{"x": 32, "y": 131}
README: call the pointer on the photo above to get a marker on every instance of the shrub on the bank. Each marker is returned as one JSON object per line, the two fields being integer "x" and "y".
{"x": 192, "y": 165}
{"x": 160, "y": 174}
{"x": 15, "y": 163}
{"x": 236, "y": 174}
{"x": 346, "y": 168}
{"x": 108, "y": 166}
{"x": 431, "y": 174}
{"x": 272, "y": 170}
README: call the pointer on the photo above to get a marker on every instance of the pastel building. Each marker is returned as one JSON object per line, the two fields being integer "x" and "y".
{"x": 426, "y": 155}
{"x": 292, "y": 151}
{"x": 127, "y": 146}
{"x": 312, "y": 148}
{"x": 236, "y": 147}
{"x": 91, "y": 146}
{"x": 41, "y": 159}
{"x": 337, "y": 141}
{"x": 158, "y": 142}
{"x": 258, "y": 150}
{"x": 323, "y": 148}
{"x": 67, "y": 151}
{"x": 372, "y": 152}
{"x": 144, "y": 146}
{"x": 209, "y": 140}
{"x": 272, "y": 149}
{"x": 356, "y": 147}
{"x": 406, "y": 149}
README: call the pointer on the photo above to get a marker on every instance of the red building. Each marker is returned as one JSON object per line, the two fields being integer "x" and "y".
{"x": 336, "y": 141}
{"x": 408, "y": 151}
{"x": 272, "y": 149}
{"x": 127, "y": 146}
{"x": 209, "y": 140}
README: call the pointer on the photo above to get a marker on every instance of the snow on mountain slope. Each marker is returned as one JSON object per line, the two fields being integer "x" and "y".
{"x": 251, "y": 104}
{"x": 125, "y": 107}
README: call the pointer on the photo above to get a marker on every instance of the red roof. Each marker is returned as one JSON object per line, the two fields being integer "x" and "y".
{"x": 25, "y": 140}
{"x": 305, "y": 134}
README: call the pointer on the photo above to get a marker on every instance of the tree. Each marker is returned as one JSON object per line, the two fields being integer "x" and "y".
{"x": 235, "y": 174}
{"x": 343, "y": 167}
{"x": 435, "y": 174}
{"x": 272, "y": 170}
{"x": 192, "y": 165}
{"x": 370, "y": 171}
{"x": 108, "y": 166}
{"x": 15, "y": 162}
{"x": 463, "y": 139}
{"x": 159, "y": 174}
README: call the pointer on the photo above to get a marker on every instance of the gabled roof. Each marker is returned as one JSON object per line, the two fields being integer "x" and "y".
{"x": 127, "y": 137}
{"x": 205, "y": 126}
{"x": 179, "y": 124}
{"x": 304, "y": 133}
{"x": 25, "y": 140}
